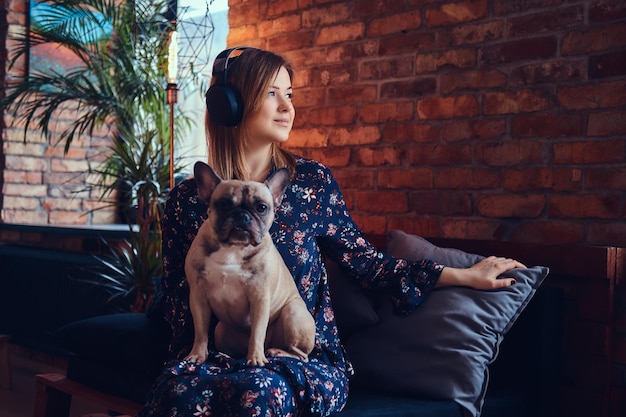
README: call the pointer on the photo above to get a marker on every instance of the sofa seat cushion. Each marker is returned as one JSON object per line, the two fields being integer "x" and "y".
{"x": 366, "y": 403}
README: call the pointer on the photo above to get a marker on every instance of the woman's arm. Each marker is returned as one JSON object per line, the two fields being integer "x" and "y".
{"x": 482, "y": 276}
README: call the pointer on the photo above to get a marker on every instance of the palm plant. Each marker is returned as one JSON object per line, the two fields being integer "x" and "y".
{"x": 119, "y": 84}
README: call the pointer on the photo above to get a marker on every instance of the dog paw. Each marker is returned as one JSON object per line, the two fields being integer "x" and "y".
{"x": 196, "y": 357}
{"x": 256, "y": 360}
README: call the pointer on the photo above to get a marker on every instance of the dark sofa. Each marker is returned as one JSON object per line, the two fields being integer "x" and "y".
{"x": 121, "y": 354}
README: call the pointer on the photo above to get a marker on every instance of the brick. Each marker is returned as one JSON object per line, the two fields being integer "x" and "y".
{"x": 410, "y": 132}
{"x": 61, "y": 204}
{"x": 594, "y": 40}
{"x": 520, "y": 50}
{"x": 473, "y": 129}
{"x": 246, "y": 13}
{"x": 413, "y": 88}
{"x": 309, "y": 97}
{"x": 543, "y": 179}
{"x": 607, "y": 234}
{"x": 355, "y": 136}
{"x": 20, "y": 203}
{"x": 385, "y": 112}
{"x": 509, "y": 153}
{"x": 505, "y": 7}
{"x": 381, "y": 201}
{"x": 331, "y": 157}
{"x": 326, "y": 15}
{"x": 355, "y": 178}
{"x": 369, "y": 8}
{"x": 592, "y": 96}
{"x": 279, "y": 25}
{"x": 25, "y": 217}
{"x": 584, "y": 205}
{"x": 371, "y": 224}
{"x": 607, "y": 123}
{"x": 386, "y": 68}
{"x": 466, "y": 178}
{"x": 395, "y": 23}
{"x": 548, "y": 125}
{"x": 335, "y": 75}
{"x": 340, "y": 33}
{"x": 545, "y": 21}
{"x": 25, "y": 190}
{"x": 401, "y": 178}
{"x": 471, "y": 80}
{"x": 560, "y": 232}
{"x": 66, "y": 178}
{"x": 332, "y": 116}
{"x": 22, "y": 177}
{"x": 308, "y": 138}
{"x": 65, "y": 165}
{"x": 606, "y": 11}
{"x": 471, "y": 34}
{"x": 277, "y": 8}
{"x": 290, "y": 41}
{"x": 352, "y": 94}
{"x": 440, "y": 154}
{"x": 456, "y": 58}
{"x": 67, "y": 217}
{"x": 344, "y": 53}
{"x": 469, "y": 228}
{"x": 379, "y": 157}
{"x": 19, "y": 163}
{"x": 588, "y": 152}
{"x": 607, "y": 65}
{"x": 441, "y": 203}
{"x": 457, "y": 12}
{"x": 447, "y": 107}
{"x": 507, "y": 205}
{"x": 417, "y": 225}
{"x": 549, "y": 72}
{"x": 520, "y": 101}
{"x": 72, "y": 191}
{"x": 606, "y": 179}
{"x": 406, "y": 41}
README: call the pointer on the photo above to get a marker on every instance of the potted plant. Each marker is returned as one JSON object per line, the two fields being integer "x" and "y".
{"x": 118, "y": 84}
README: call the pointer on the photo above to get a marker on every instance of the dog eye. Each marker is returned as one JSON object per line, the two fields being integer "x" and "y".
{"x": 261, "y": 208}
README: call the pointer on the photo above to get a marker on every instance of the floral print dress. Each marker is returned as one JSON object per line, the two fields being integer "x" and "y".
{"x": 311, "y": 222}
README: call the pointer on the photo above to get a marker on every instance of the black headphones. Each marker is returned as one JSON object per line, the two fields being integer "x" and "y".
{"x": 223, "y": 100}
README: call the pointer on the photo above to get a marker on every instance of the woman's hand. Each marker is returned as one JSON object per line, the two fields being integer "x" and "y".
{"x": 481, "y": 276}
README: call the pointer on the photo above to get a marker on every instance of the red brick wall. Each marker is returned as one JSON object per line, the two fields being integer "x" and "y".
{"x": 41, "y": 184}
{"x": 500, "y": 119}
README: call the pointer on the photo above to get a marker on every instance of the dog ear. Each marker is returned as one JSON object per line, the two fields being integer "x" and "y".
{"x": 277, "y": 183}
{"x": 206, "y": 178}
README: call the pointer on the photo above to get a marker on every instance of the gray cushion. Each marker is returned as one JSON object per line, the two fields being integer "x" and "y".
{"x": 442, "y": 350}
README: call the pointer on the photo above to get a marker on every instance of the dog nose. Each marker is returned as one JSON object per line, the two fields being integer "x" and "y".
{"x": 242, "y": 217}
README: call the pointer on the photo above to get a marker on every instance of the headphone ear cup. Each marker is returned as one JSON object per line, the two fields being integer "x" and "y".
{"x": 224, "y": 104}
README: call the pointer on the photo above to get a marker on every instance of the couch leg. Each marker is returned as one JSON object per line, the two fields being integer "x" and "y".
{"x": 50, "y": 401}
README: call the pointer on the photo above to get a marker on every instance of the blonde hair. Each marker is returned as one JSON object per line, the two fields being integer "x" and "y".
{"x": 252, "y": 72}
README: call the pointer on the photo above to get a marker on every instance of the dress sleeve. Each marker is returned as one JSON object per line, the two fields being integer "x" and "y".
{"x": 178, "y": 228}
{"x": 408, "y": 282}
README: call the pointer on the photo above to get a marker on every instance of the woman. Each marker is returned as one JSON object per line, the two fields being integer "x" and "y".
{"x": 312, "y": 222}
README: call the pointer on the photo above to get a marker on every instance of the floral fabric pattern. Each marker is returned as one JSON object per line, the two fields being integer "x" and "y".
{"x": 311, "y": 222}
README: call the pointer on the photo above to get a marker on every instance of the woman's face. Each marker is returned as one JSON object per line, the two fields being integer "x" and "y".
{"x": 273, "y": 121}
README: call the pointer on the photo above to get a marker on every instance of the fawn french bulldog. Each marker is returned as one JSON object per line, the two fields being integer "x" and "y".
{"x": 236, "y": 273}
